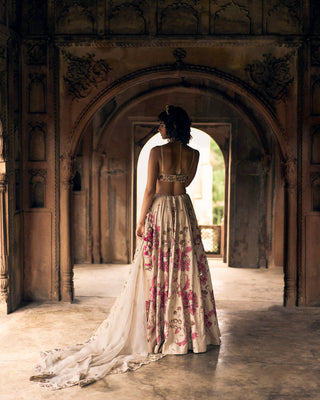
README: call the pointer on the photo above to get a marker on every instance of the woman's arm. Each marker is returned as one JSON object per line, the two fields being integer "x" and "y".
{"x": 193, "y": 168}
{"x": 153, "y": 171}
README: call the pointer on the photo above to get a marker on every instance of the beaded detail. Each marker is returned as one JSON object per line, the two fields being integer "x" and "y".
{"x": 173, "y": 178}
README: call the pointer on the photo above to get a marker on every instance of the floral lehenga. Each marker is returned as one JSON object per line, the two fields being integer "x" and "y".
{"x": 166, "y": 306}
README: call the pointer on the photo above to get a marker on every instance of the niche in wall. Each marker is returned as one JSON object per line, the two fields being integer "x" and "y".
{"x": 37, "y": 142}
{"x": 37, "y": 188}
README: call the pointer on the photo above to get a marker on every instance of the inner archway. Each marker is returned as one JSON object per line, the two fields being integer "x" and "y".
{"x": 207, "y": 191}
{"x": 252, "y": 164}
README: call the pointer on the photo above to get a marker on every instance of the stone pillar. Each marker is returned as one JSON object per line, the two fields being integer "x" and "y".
{"x": 66, "y": 264}
{"x": 97, "y": 159}
{"x": 290, "y": 248}
{"x": 4, "y": 277}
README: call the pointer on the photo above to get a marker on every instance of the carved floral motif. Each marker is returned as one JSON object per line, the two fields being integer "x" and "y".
{"x": 36, "y": 53}
{"x": 83, "y": 73}
{"x": 232, "y": 18}
{"x": 272, "y": 75}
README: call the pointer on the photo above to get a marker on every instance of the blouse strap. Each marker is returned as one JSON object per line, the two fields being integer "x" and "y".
{"x": 161, "y": 147}
{"x": 191, "y": 165}
{"x": 180, "y": 155}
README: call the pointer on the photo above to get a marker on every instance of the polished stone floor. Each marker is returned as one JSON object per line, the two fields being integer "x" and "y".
{"x": 267, "y": 353}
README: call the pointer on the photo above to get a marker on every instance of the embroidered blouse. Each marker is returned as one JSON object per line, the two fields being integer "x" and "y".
{"x": 177, "y": 177}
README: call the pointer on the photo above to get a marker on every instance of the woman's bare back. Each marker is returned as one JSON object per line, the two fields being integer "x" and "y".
{"x": 177, "y": 168}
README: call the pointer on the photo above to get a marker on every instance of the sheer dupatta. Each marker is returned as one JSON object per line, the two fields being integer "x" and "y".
{"x": 118, "y": 345}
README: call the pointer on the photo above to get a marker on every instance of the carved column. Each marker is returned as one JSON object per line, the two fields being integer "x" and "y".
{"x": 66, "y": 264}
{"x": 4, "y": 278}
{"x": 290, "y": 256}
{"x": 97, "y": 159}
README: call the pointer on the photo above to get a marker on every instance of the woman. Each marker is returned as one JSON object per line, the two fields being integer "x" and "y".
{"x": 180, "y": 307}
{"x": 167, "y": 305}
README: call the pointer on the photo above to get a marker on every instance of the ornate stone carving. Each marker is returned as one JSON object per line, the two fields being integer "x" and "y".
{"x": 289, "y": 171}
{"x": 37, "y": 142}
{"x": 38, "y": 172}
{"x": 37, "y": 93}
{"x": 272, "y": 75}
{"x": 83, "y": 73}
{"x": 315, "y": 178}
{"x": 127, "y": 18}
{"x": 179, "y": 18}
{"x": 179, "y": 54}
{"x": 232, "y": 18}
{"x": 284, "y": 17}
{"x": 67, "y": 166}
{"x": 36, "y": 53}
{"x": 75, "y": 16}
{"x": 37, "y": 187}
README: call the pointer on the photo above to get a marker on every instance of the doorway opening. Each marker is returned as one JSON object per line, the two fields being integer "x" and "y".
{"x": 207, "y": 190}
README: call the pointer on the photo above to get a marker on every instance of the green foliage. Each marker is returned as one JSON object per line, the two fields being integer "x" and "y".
{"x": 218, "y": 175}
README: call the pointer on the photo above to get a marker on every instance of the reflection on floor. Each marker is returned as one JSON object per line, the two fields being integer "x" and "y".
{"x": 268, "y": 352}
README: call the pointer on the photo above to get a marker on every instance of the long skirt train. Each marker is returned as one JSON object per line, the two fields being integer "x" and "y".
{"x": 166, "y": 306}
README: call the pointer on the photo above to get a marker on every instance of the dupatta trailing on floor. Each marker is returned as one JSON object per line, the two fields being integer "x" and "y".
{"x": 118, "y": 345}
{"x": 166, "y": 306}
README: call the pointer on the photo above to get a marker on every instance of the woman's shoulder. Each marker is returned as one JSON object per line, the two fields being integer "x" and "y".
{"x": 194, "y": 151}
{"x": 155, "y": 151}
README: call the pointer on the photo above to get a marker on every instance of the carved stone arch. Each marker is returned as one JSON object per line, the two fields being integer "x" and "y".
{"x": 127, "y": 19}
{"x": 178, "y": 19}
{"x": 226, "y": 82}
{"x": 135, "y": 99}
{"x": 76, "y": 18}
{"x": 283, "y": 19}
{"x": 232, "y": 18}
{"x": 237, "y": 89}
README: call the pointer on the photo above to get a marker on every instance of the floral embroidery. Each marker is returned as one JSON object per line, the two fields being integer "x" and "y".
{"x": 177, "y": 311}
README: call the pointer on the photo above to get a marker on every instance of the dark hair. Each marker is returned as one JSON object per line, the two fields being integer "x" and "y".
{"x": 177, "y": 123}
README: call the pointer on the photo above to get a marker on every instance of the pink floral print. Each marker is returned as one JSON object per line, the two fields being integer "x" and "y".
{"x": 180, "y": 307}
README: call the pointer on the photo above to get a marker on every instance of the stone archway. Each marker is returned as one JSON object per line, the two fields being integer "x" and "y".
{"x": 257, "y": 106}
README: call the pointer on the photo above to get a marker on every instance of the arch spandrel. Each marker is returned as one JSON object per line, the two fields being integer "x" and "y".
{"x": 230, "y": 83}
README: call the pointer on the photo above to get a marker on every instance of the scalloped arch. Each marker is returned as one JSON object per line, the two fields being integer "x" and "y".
{"x": 229, "y": 82}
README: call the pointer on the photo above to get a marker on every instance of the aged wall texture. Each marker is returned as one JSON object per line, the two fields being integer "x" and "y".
{"x": 81, "y": 85}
